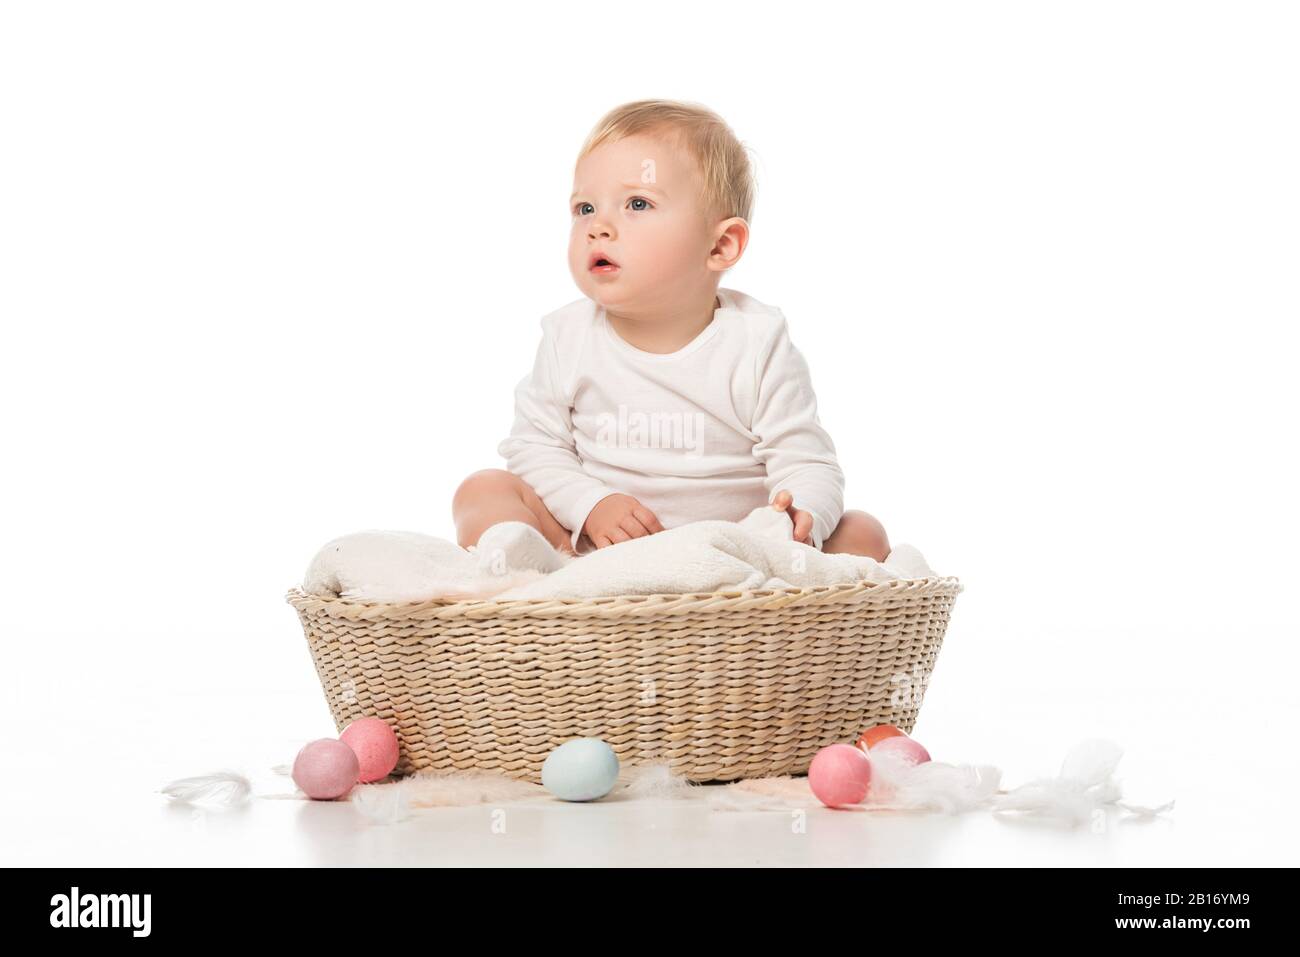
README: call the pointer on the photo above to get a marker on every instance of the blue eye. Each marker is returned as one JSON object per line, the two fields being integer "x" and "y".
{"x": 637, "y": 199}
{"x": 583, "y": 208}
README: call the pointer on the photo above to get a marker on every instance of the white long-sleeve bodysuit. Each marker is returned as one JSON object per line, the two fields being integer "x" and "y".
{"x": 710, "y": 431}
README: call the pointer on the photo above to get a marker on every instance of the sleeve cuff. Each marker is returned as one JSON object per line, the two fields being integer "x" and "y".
{"x": 814, "y": 504}
{"x": 581, "y": 509}
{"x": 820, "y": 531}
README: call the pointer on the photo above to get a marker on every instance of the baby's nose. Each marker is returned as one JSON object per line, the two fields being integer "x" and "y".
{"x": 600, "y": 231}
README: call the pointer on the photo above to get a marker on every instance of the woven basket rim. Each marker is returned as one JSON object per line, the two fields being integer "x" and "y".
{"x": 611, "y": 605}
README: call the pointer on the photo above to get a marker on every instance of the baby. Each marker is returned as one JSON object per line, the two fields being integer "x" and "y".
{"x": 660, "y": 398}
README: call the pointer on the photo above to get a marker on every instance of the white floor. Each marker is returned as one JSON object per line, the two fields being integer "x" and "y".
{"x": 121, "y": 822}
{"x": 1212, "y": 728}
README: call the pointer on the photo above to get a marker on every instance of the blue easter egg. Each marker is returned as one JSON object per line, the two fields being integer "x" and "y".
{"x": 580, "y": 770}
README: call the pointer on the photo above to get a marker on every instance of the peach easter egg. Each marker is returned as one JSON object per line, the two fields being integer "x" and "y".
{"x": 872, "y": 736}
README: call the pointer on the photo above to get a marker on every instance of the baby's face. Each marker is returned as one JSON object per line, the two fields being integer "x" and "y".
{"x": 637, "y": 203}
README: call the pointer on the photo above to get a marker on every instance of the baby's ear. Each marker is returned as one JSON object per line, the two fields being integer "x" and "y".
{"x": 729, "y": 246}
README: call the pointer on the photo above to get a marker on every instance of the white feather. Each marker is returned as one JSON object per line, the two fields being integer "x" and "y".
{"x": 1085, "y": 786}
{"x": 381, "y": 803}
{"x": 223, "y": 787}
{"x": 653, "y": 782}
{"x": 896, "y": 784}
{"x": 1091, "y": 762}
{"x": 1143, "y": 812}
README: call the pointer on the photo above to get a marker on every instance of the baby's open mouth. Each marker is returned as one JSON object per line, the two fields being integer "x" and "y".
{"x": 599, "y": 263}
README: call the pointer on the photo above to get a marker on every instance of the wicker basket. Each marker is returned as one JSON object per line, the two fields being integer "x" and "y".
{"x": 721, "y": 686}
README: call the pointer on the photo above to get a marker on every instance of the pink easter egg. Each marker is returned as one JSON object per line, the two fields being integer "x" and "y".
{"x": 904, "y": 747}
{"x": 376, "y": 746}
{"x": 840, "y": 774}
{"x": 325, "y": 769}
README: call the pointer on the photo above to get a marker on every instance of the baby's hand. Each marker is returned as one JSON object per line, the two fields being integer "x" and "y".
{"x": 617, "y": 518}
{"x": 803, "y": 521}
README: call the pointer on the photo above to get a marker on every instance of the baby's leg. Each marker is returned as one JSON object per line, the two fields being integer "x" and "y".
{"x": 858, "y": 534}
{"x": 490, "y": 496}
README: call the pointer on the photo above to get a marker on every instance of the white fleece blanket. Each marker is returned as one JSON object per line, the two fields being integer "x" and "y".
{"x": 513, "y": 561}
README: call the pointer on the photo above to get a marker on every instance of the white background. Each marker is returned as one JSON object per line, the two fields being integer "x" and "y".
{"x": 269, "y": 273}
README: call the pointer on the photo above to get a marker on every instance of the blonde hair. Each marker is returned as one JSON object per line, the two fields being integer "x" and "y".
{"x": 729, "y": 185}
